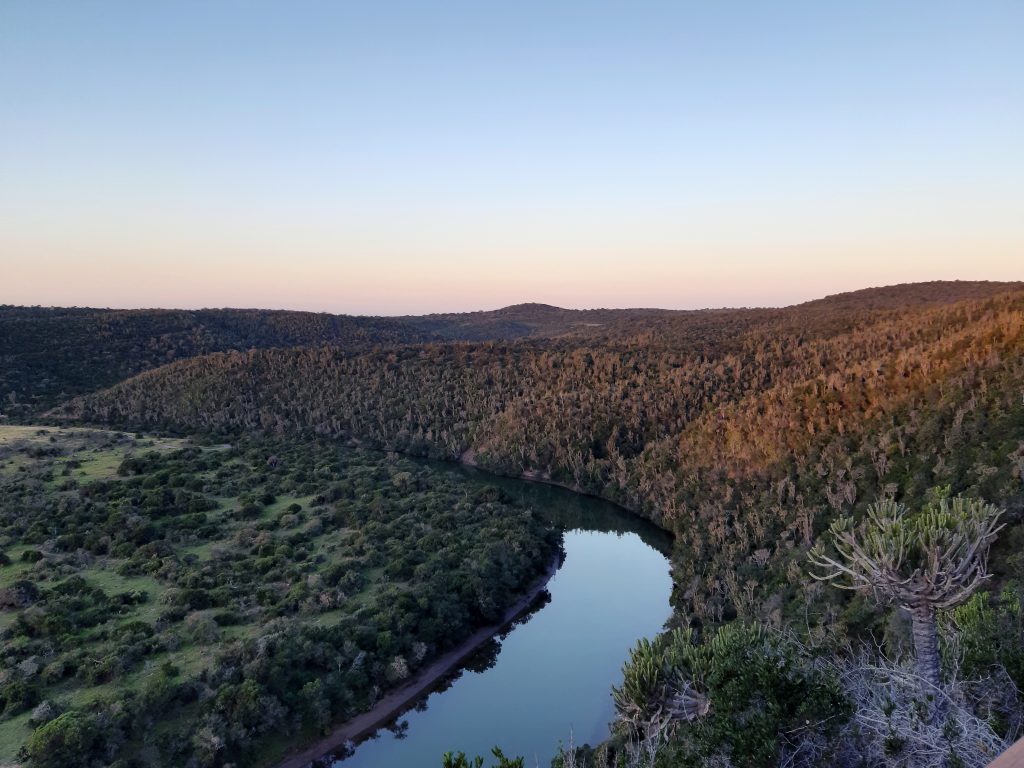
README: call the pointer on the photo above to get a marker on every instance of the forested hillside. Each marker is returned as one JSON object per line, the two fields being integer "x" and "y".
{"x": 909, "y": 295}
{"x": 537, "y": 320}
{"x": 744, "y": 432}
{"x": 47, "y": 355}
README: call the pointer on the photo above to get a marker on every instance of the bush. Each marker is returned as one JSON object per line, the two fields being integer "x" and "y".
{"x": 989, "y": 633}
{"x": 739, "y": 695}
{"x": 72, "y": 740}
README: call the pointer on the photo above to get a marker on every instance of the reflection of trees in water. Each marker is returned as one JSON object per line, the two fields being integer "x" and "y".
{"x": 399, "y": 728}
{"x": 563, "y": 509}
{"x": 343, "y": 752}
{"x": 567, "y": 509}
{"x": 483, "y": 658}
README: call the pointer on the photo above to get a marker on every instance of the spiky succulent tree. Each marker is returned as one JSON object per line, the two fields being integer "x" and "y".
{"x": 661, "y": 683}
{"x": 925, "y": 562}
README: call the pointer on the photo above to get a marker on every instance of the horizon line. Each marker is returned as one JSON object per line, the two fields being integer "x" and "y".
{"x": 538, "y": 304}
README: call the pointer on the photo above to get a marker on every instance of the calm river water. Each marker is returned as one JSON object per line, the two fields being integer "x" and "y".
{"x": 551, "y": 675}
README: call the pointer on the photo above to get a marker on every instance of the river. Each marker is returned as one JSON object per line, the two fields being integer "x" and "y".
{"x": 549, "y": 678}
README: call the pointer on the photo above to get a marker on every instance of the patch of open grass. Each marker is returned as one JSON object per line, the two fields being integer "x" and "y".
{"x": 17, "y": 569}
{"x": 203, "y": 552}
{"x": 99, "y": 465}
{"x": 114, "y": 583}
{"x": 13, "y": 733}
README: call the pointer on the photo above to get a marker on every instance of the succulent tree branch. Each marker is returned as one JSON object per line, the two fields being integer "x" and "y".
{"x": 925, "y": 562}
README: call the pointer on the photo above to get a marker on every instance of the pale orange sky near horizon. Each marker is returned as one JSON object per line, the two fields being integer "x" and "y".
{"x": 403, "y": 158}
{"x": 322, "y": 285}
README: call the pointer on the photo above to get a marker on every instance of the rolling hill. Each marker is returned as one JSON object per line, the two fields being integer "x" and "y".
{"x": 744, "y": 432}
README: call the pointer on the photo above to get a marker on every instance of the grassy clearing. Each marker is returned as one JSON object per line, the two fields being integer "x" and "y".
{"x": 112, "y": 582}
{"x": 101, "y": 466}
{"x": 13, "y": 733}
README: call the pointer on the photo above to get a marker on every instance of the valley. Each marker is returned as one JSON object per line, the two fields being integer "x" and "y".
{"x": 163, "y": 531}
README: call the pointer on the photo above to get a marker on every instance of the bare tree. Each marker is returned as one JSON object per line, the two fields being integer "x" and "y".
{"x": 924, "y": 562}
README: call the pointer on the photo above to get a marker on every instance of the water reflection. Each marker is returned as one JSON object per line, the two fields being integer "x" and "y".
{"x": 569, "y": 510}
{"x": 551, "y": 673}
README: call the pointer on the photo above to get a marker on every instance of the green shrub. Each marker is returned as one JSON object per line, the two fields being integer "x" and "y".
{"x": 749, "y": 691}
{"x": 989, "y": 630}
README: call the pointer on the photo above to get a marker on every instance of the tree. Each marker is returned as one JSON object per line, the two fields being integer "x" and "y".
{"x": 459, "y": 760}
{"x": 70, "y": 740}
{"x": 925, "y": 562}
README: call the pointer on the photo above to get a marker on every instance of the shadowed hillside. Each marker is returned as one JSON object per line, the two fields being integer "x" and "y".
{"x": 537, "y": 320}
{"x": 49, "y": 354}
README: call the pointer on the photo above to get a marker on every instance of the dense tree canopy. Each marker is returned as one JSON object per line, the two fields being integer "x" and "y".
{"x": 232, "y": 592}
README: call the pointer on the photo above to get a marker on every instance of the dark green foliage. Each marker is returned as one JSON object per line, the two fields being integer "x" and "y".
{"x": 754, "y": 690}
{"x": 306, "y": 610}
{"x": 987, "y": 632}
{"x": 762, "y": 693}
{"x": 459, "y": 760}
{"x": 72, "y": 740}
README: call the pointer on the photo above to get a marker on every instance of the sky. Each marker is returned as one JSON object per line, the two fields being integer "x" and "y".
{"x": 406, "y": 157}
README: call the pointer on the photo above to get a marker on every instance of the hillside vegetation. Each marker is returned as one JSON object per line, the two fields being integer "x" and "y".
{"x": 50, "y": 354}
{"x": 169, "y": 604}
{"x": 753, "y": 435}
{"x": 47, "y": 355}
{"x": 743, "y": 437}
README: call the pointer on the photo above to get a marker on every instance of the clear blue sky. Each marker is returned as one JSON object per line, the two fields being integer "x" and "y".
{"x": 403, "y": 157}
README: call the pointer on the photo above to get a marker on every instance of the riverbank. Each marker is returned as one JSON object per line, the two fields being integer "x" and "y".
{"x": 397, "y": 701}
{"x": 468, "y": 459}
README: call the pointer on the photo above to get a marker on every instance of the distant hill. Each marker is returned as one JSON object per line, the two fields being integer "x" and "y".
{"x": 48, "y": 355}
{"x": 914, "y": 294}
{"x": 530, "y": 320}
{"x": 533, "y": 320}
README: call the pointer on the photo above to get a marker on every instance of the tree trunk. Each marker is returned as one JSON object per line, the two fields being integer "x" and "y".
{"x": 926, "y": 647}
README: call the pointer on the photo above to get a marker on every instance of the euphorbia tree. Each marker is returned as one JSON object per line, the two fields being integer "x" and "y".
{"x": 925, "y": 562}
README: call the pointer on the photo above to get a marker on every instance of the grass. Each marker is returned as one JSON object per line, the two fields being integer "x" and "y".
{"x": 17, "y": 569}
{"x": 98, "y": 453}
{"x": 10, "y": 433}
{"x": 203, "y": 552}
{"x": 113, "y": 583}
{"x": 329, "y": 618}
{"x": 13, "y": 733}
{"x": 101, "y": 466}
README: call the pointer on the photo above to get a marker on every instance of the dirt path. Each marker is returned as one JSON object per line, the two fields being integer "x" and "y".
{"x": 398, "y": 700}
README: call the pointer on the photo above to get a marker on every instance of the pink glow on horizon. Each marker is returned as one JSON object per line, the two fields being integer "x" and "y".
{"x": 409, "y": 286}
